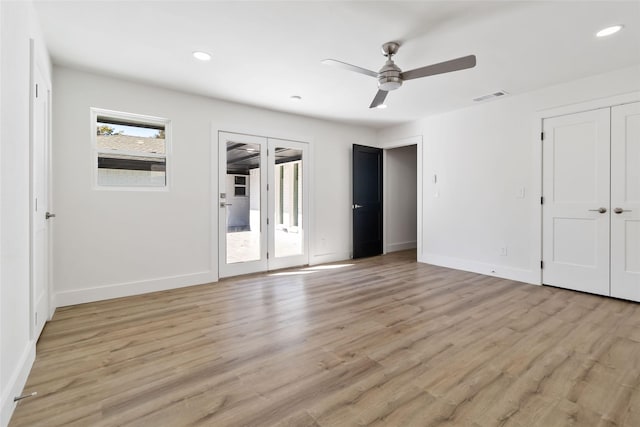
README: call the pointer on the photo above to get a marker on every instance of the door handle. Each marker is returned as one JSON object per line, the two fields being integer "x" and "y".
{"x": 224, "y": 205}
{"x": 357, "y": 206}
{"x": 620, "y": 210}
{"x": 600, "y": 210}
{"x": 49, "y": 215}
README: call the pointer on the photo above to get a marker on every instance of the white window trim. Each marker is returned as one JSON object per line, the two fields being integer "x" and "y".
{"x": 134, "y": 118}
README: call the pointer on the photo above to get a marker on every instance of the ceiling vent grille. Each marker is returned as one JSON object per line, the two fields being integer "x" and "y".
{"x": 491, "y": 95}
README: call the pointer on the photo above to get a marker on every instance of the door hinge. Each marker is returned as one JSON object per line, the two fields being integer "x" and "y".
{"x": 541, "y": 200}
{"x": 541, "y": 136}
{"x": 267, "y": 255}
{"x": 36, "y": 90}
{"x": 267, "y": 221}
{"x": 267, "y": 187}
{"x": 541, "y": 264}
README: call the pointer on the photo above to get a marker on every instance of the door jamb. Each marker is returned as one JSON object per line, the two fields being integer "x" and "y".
{"x": 537, "y": 190}
{"x": 398, "y": 143}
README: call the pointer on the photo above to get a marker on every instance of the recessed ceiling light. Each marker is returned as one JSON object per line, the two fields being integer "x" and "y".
{"x": 382, "y": 106}
{"x": 295, "y": 98}
{"x": 608, "y": 31}
{"x": 202, "y": 56}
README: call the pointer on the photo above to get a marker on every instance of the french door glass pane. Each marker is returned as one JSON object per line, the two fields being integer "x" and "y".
{"x": 288, "y": 236}
{"x": 243, "y": 202}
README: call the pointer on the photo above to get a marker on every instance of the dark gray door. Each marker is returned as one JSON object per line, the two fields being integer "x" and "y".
{"x": 367, "y": 201}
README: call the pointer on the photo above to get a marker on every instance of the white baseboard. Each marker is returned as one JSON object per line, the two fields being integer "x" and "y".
{"x": 80, "y": 296}
{"x": 402, "y": 246}
{"x": 326, "y": 258}
{"x": 16, "y": 383}
{"x": 520, "y": 275}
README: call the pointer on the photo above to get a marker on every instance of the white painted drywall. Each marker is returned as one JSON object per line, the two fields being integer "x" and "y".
{"x": 116, "y": 243}
{"x": 483, "y": 157}
{"x": 401, "y": 207}
{"x": 17, "y": 350}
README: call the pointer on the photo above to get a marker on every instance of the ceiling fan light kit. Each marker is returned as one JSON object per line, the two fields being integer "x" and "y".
{"x": 390, "y": 77}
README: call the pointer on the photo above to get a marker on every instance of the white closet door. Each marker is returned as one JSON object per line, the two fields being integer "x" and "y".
{"x": 575, "y": 212}
{"x": 625, "y": 201}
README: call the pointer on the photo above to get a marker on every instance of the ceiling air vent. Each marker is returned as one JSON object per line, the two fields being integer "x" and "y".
{"x": 491, "y": 95}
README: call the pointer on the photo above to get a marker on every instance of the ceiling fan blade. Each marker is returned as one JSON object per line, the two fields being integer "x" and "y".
{"x": 379, "y": 98}
{"x": 441, "y": 67}
{"x": 349, "y": 67}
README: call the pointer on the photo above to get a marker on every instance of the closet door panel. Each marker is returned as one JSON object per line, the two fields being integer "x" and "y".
{"x": 625, "y": 201}
{"x": 575, "y": 213}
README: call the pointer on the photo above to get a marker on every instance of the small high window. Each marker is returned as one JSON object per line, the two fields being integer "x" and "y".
{"x": 130, "y": 150}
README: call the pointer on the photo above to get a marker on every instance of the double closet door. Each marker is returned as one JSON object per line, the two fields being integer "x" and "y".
{"x": 591, "y": 201}
{"x": 262, "y": 203}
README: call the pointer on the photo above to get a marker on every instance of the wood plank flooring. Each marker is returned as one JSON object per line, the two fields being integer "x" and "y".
{"x": 383, "y": 342}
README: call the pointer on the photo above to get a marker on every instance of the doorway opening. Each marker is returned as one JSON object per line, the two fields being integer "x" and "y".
{"x": 401, "y": 200}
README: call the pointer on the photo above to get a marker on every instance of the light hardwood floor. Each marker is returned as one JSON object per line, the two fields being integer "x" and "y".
{"x": 385, "y": 342}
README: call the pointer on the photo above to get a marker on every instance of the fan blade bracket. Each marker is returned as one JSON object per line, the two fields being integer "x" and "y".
{"x": 457, "y": 64}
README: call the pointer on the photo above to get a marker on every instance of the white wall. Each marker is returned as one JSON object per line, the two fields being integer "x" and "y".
{"x": 17, "y": 349}
{"x": 483, "y": 156}
{"x": 400, "y": 188}
{"x": 116, "y": 243}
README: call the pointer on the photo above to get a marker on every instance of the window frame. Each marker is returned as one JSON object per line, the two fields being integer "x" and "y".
{"x": 134, "y": 119}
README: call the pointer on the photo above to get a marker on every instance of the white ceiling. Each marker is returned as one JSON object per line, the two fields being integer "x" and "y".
{"x": 266, "y": 51}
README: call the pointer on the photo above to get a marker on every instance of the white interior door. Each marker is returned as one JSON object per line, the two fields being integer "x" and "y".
{"x": 39, "y": 203}
{"x": 625, "y": 201}
{"x": 263, "y": 204}
{"x": 576, "y": 189}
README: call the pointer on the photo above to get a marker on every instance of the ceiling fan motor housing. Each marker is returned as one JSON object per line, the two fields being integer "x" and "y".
{"x": 389, "y": 77}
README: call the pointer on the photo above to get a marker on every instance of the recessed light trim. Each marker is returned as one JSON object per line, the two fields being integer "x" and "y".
{"x": 609, "y": 30}
{"x": 295, "y": 98}
{"x": 202, "y": 56}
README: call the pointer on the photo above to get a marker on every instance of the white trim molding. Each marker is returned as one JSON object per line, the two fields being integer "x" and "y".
{"x": 16, "y": 383}
{"x": 118, "y": 290}
{"x": 402, "y": 246}
{"x": 510, "y": 273}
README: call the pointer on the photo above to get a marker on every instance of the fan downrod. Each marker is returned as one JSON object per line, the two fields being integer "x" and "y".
{"x": 390, "y": 48}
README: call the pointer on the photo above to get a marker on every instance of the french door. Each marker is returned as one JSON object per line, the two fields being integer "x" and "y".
{"x": 591, "y": 209}
{"x": 263, "y": 204}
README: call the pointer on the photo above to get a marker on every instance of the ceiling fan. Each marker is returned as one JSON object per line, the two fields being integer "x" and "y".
{"x": 390, "y": 76}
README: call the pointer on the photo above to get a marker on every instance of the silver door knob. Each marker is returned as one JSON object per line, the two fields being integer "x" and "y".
{"x": 49, "y": 215}
{"x": 601, "y": 210}
{"x": 620, "y": 210}
{"x": 224, "y": 205}
{"x": 356, "y": 206}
